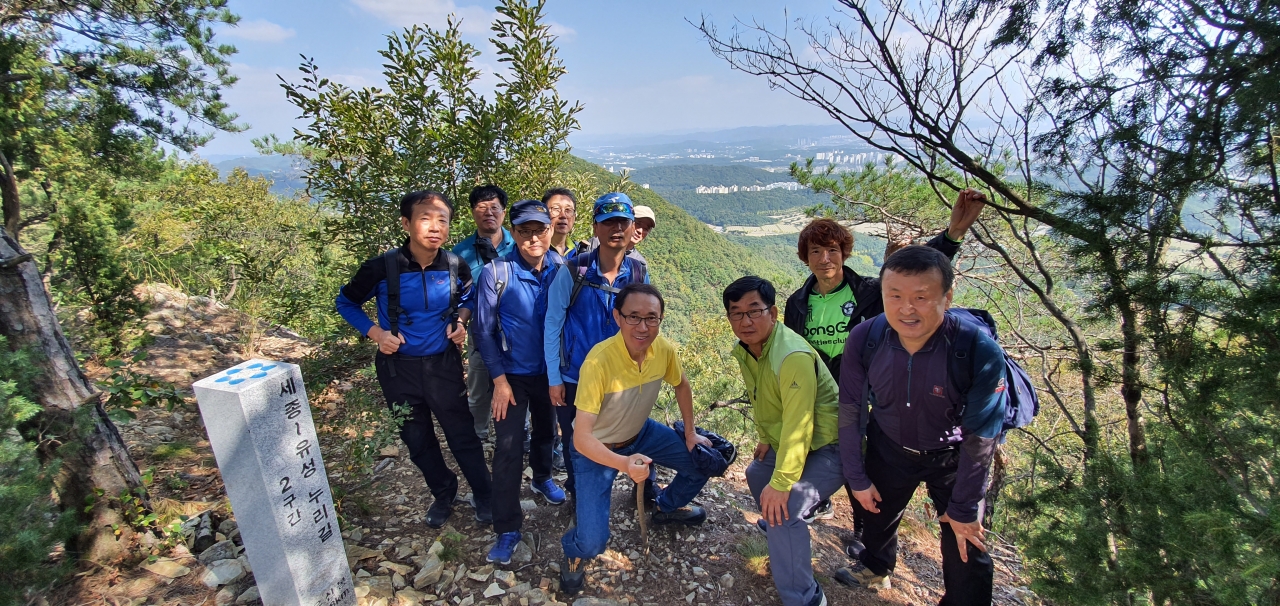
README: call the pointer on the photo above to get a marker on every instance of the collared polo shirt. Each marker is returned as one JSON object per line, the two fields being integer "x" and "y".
{"x": 623, "y": 394}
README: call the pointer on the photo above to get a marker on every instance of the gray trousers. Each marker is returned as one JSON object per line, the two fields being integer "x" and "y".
{"x": 790, "y": 554}
{"x": 479, "y": 389}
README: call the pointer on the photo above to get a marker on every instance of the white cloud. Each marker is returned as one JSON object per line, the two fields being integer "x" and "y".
{"x": 259, "y": 30}
{"x": 563, "y": 32}
{"x": 475, "y": 20}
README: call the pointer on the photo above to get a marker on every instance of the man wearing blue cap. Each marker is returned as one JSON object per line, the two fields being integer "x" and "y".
{"x": 580, "y": 306}
{"x": 511, "y": 304}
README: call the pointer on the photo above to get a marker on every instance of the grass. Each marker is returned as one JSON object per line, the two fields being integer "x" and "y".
{"x": 177, "y": 449}
{"x": 451, "y": 551}
{"x": 754, "y": 549}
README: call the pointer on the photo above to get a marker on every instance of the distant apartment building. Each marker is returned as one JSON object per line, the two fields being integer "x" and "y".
{"x": 733, "y": 189}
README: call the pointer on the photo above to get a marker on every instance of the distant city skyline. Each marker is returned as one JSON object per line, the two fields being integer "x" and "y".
{"x": 638, "y": 68}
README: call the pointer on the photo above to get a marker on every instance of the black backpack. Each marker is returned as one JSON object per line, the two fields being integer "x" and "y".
{"x": 392, "y": 260}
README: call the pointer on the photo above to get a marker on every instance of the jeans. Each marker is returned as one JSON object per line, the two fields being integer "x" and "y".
{"x": 565, "y": 415}
{"x": 896, "y": 474}
{"x": 433, "y": 386}
{"x": 479, "y": 390}
{"x": 790, "y": 553}
{"x": 595, "y": 487}
{"x": 530, "y": 394}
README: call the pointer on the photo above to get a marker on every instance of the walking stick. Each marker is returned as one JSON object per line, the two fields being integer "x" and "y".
{"x": 644, "y": 528}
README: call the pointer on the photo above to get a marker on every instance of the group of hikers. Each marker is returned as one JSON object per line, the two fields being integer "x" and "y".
{"x": 853, "y": 389}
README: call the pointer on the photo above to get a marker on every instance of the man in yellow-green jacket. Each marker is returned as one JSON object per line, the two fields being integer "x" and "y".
{"x": 796, "y": 407}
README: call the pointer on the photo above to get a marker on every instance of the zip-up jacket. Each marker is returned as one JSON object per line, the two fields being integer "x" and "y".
{"x": 588, "y": 322}
{"x": 916, "y": 405}
{"x": 470, "y": 252}
{"x": 424, "y": 298}
{"x": 520, "y": 313}
{"x": 866, "y": 294}
{"x": 793, "y": 399}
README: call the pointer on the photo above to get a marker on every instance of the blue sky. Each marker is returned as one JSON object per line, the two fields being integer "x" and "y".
{"x": 637, "y": 67}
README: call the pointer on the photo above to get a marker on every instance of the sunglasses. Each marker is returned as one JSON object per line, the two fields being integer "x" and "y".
{"x": 613, "y": 207}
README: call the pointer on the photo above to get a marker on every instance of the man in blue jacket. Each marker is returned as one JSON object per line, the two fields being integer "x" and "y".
{"x": 490, "y": 241}
{"x": 418, "y": 363}
{"x": 509, "y": 316}
{"x": 580, "y": 306}
{"x": 922, "y": 427}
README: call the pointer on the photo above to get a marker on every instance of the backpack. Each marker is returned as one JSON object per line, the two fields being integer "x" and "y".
{"x": 577, "y": 268}
{"x": 1021, "y": 404}
{"x": 392, "y": 261}
{"x": 501, "y": 277}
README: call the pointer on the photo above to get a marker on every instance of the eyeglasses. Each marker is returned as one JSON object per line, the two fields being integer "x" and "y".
{"x": 531, "y": 232}
{"x": 568, "y": 210}
{"x": 652, "y": 322}
{"x": 612, "y": 207}
{"x": 488, "y": 209}
{"x": 737, "y": 316}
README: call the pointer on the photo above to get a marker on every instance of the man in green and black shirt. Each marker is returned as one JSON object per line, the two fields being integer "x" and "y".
{"x": 835, "y": 298}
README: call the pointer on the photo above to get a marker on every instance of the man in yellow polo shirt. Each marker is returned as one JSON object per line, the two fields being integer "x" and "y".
{"x": 797, "y": 409}
{"x": 617, "y": 387}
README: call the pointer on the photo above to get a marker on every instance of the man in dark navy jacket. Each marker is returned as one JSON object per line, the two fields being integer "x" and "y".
{"x": 922, "y": 428}
{"x": 421, "y": 366}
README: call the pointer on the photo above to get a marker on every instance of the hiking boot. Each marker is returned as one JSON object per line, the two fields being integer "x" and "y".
{"x": 549, "y": 491}
{"x": 502, "y": 550}
{"x": 484, "y": 513}
{"x": 853, "y": 547}
{"x": 692, "y": 515}
{"x": 819, "y": 598}
{"x": 822, "y": 511}
{"x": 763, "y": 525}
{"x": 439, "y": 512}
{"x": 573, "y": 575}
{"x": 859, "y": 575}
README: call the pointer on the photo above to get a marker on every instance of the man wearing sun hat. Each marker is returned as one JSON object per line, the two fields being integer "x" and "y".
{"x": 580, "y": 306}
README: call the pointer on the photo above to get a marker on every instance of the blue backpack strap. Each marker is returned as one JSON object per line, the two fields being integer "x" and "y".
{"x": 876, "y": 336}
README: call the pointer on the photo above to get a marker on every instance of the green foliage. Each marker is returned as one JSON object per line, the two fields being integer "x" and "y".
{"x": 95, "y": 273}
{"x": 748, "y": 208}
{"x": 30, "y": 523}
{"x": 239, "y": 243}
{"x": 127, "y": 390}
{"x": 432, "y": 128}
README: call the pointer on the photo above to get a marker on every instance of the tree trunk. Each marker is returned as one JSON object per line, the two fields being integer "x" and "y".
{"x": 9, "y": 199}
{"x": 95, "y": 462}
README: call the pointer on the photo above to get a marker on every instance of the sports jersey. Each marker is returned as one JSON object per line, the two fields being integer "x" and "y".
{"x": 827, "y": 325}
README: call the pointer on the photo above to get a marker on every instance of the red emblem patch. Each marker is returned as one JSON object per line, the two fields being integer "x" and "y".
{"x": 1000, "y": 386}
{"x": 939, "y": 392}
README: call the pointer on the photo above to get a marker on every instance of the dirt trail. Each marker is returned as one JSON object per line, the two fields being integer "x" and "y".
{"x": 720, "y": 563}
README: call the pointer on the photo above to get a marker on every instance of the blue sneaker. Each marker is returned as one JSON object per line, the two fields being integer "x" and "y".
{"x": 502, "y": 550}
{"x": 549, "y": 491}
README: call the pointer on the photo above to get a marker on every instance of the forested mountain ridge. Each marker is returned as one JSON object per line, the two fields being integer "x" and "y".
{"x": 690, "y": 263}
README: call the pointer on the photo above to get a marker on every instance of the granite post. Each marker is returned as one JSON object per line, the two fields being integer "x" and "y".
{"x": 259, "y": 424}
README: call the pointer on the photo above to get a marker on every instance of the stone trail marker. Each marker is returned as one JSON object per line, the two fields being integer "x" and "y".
{"x": 259, "y": 424}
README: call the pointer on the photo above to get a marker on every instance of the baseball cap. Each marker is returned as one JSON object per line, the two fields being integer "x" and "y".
{"x": 526, "y": 211}
{"x": 614, "y": 204}
{"x": 644, "y": 212}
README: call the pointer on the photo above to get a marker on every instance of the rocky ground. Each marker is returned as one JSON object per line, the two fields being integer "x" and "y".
{"x": 397, "y": 560}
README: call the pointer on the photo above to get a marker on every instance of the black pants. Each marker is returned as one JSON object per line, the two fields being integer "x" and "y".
{"x": 530, "y": 394}
{"x": 565, "y": 415}
{"x": 430, "y": 386}
{"x": 896, "y": 474}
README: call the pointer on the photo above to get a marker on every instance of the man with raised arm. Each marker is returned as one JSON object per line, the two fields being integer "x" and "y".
{"x": 618, "y": 386}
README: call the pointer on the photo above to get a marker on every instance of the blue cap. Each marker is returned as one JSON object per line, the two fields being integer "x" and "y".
{"x": 611, "y": 205}
{"x": 525, "y": 211}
